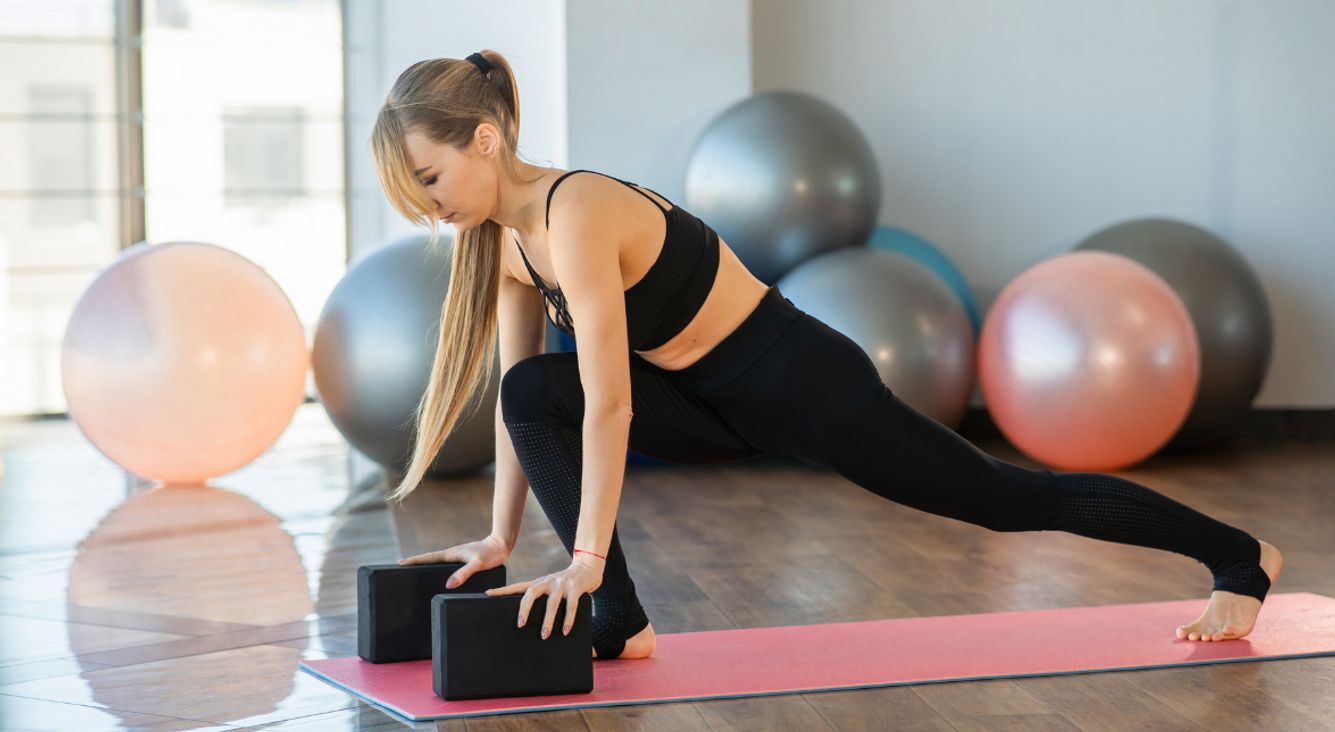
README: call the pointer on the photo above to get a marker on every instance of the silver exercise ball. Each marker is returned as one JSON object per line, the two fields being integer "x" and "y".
{"x": 1228, "y": 308}
{"x": 373, "y": 351}
{"x": 783, "y": 176}
{"x": 906, "y": 318}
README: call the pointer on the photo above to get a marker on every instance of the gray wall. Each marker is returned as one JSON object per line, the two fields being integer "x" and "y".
{"x": 1006, "y": 132}
{"x": 646, "y": 77}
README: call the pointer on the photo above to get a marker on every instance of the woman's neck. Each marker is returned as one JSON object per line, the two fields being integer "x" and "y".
{"x": 523, "y": 203}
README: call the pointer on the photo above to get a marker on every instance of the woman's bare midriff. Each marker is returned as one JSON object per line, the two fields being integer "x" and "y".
{"x": 734, "y": 295}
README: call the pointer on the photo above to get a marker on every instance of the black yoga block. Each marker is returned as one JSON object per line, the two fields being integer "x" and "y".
{"x": 479, "y": 653}
{"x": 394, "y": 606}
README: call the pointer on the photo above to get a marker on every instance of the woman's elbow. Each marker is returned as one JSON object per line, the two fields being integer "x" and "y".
{"x": 609, "y": 408}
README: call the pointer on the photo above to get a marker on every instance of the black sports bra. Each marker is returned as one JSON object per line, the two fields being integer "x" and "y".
{"x": 665, "y": 299}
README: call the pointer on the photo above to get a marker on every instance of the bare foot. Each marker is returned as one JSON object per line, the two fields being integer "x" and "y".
{"x": 1230, "y": 615}
{"x": 640, "y": 645}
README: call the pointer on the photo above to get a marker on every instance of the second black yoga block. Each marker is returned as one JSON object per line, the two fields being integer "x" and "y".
{"x": 394, "y": 606}
{"x": 479, "y": 653}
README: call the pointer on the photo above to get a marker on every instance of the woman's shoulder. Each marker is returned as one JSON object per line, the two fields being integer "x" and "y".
{"x": 584, "y": 195}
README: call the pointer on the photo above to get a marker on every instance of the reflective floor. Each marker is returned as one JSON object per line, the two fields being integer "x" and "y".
{"x": 124, "y": 605}
{"x": 129, "y": 606}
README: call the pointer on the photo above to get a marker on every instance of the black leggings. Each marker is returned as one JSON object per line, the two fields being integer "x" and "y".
{"x": 786, "y": 383}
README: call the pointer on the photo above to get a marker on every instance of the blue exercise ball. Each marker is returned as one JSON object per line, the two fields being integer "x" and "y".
{"x": 906, "y": 242}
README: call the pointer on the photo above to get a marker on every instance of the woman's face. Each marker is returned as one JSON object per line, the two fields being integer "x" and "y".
{"x": 460, "y": 183}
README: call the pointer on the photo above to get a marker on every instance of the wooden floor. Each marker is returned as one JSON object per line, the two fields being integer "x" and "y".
{"x": 125, "y": 606}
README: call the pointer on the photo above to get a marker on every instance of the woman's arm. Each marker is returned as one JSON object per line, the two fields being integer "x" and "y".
{"x": 521, "y": 330}
{"x": 584, "y": 250}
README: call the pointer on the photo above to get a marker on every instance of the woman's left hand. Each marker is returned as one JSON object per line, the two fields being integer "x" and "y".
{"x": 583, "y": 575}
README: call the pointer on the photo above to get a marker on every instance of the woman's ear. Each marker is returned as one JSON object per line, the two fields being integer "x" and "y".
{"x": 487, "y": 139}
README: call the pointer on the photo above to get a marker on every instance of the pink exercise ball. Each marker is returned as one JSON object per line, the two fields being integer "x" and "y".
{"x": 1088, "y": 361}
{"x": 183, "y": 361}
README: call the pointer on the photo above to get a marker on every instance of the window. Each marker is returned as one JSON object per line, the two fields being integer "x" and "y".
{"x": 263, "y": 149}
{"x": 61, "y": 150}
{"x": 167, "y": 120}
{"x": 59, "y": 194}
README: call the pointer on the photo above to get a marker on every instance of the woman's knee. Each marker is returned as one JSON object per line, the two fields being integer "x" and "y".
{"x": 1026, "y": 500}
{"x": 533, "y": 386}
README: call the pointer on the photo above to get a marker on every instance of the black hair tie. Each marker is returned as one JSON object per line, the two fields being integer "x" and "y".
{"x": 481, "y": 62}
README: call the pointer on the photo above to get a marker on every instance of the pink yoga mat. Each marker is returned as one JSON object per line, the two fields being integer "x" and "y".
{"x": 826, "y": 657}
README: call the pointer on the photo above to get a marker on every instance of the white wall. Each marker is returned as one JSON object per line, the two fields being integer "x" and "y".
{"x": 384, "y": 38}
{"x": 618, "y": 87}
{"x": 1006, "y": 132}
{"x": 646, "y": 77}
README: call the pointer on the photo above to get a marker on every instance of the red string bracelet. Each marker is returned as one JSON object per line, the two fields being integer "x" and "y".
{"x": 577, "y": 551}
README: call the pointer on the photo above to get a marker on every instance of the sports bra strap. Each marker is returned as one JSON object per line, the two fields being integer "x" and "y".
{"x": 633, "y": 187}
{"x": 531, "y": 272}
{"x": 555, "y": 297}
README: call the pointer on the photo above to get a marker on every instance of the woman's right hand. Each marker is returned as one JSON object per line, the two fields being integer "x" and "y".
{"x": 476, "y": 556}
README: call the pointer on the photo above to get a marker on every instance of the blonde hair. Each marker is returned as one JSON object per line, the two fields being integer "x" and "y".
{"x": 445, "y": 100}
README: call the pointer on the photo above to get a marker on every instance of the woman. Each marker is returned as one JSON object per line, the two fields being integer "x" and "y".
{"x": 683, "y": 356}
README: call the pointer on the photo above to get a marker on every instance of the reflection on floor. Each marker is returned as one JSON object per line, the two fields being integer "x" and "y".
{"x": 126, "y": 605}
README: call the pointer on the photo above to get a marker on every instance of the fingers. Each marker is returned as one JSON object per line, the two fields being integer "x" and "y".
{"x": 444, "y": 555}
{"x": 536, "y": 588}
{"x": 510, "y": 589}
{"x": 557, "y": 589}
{"x": 461, "y": 575}
{"x": 553, "y": 604}
{"x": 526, "y": 604}
{"x": 572, "y": 607}
{"x": 460, "y": 553}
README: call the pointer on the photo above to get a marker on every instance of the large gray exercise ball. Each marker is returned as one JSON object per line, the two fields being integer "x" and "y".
{"x": 373, "y": 351}
{"x": 1228, "y": 308}
{"x": 783, "y": 176}
{"x": 905, "y": 317}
